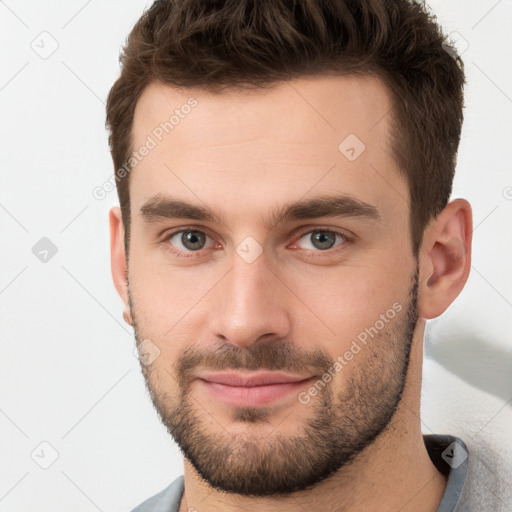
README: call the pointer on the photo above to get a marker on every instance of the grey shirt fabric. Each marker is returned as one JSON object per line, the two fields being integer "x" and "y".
{"x": 167, "y": 500}
{"x": 448, "y": 453}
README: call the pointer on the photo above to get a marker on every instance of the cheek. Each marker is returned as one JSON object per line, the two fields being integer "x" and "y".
{"x": 340, "y": 303}
{"x": 164, "y": 294}
{"x": 168, "y": 307}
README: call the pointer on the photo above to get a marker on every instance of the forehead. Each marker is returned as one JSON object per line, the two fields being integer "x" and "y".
{"x": 355, "y": 103}
{"x": 323, "y": 134}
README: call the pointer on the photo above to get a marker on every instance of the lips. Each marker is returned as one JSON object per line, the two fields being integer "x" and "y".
{"x": 251, "y": 389}
{"x": 251, "y": 379}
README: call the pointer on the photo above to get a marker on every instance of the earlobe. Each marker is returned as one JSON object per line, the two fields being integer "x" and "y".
{"x": 445, "y": 258}
{"x": 118, "y": 260}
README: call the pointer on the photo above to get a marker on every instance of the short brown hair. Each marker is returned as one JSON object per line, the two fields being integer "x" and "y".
{"x": 223, "y": 44}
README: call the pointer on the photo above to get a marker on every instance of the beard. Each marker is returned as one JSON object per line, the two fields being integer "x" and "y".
{"x": 339, "y": 424}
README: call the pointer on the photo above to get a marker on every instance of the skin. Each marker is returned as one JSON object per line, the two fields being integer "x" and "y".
{"x": 242, "y": 154}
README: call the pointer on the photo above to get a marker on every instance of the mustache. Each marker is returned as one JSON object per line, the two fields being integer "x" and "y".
{"x": 273, "y": 356}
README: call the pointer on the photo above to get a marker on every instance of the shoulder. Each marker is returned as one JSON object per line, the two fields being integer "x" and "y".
{"x": 482, "y": 421}
{"x": 487, "y": 484}
{"x": 167, "y": 500}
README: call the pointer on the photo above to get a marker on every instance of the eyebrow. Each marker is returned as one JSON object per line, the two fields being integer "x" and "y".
{"x": 161, "y": 207}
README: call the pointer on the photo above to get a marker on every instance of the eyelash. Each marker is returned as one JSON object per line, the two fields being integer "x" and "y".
{"x": 310, "y": 252}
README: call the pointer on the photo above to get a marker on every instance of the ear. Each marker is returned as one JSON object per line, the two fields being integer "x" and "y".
{"x": 118, "y": 260}
{"x": 445, "y": 258}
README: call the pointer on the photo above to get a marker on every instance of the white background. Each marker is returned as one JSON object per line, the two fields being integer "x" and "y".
{"x": 68, "y": 373}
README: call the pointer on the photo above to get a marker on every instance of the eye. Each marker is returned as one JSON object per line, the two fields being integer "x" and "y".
{"x": 322, "y": 239}
{"x": 185, "y": 242}
{"x": 189, "y": 240}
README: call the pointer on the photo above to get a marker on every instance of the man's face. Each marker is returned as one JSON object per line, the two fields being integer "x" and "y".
{"x": 248, "y": 290}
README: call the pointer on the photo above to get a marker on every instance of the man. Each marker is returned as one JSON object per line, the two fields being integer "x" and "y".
{"x": 284, "y": 172}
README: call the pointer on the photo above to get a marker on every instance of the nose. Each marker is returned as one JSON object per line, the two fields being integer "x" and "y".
{"x": 250, "y": 304}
